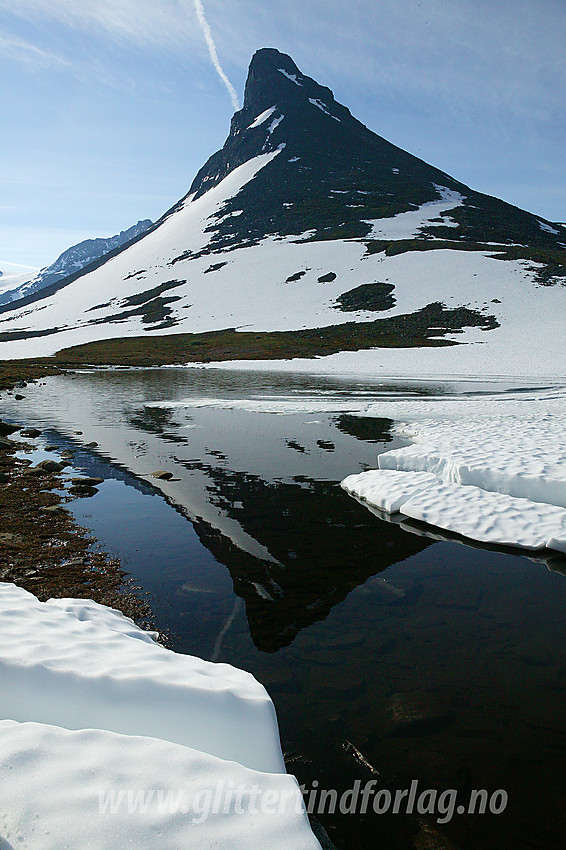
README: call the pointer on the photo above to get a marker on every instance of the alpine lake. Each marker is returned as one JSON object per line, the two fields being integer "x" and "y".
{"x": 392, "y": 653}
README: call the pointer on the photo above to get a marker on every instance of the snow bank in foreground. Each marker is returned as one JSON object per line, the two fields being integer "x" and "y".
{"x": 97, "y": 673}
{"x": 95, "y": 789}
{"x": 495, "y": 478}
{"x": 74, "y": 663}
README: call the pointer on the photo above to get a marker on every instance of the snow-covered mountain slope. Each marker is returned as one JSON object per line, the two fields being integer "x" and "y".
{"x": 73, "y": 260}
{"x": 13, "y": 276}
{"x": 306, "y": 220}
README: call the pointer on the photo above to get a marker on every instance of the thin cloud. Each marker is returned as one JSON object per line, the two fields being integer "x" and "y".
{"x": 137, "y": 21}
{"x": 23, "y": 51}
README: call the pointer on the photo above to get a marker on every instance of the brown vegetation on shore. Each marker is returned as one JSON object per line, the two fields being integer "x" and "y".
{"x": 43, "y": 550}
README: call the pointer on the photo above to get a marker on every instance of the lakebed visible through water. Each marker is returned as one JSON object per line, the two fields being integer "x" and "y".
{"x": 391, "y": 654}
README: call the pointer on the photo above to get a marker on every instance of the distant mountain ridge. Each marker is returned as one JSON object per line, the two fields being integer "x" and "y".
{"x": 73, "y": 260}
{"x": 306, "y": 235}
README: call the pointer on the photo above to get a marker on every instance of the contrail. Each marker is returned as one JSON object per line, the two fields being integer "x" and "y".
{"x": 224, "y": 629}
{"x": 214, "y": 55}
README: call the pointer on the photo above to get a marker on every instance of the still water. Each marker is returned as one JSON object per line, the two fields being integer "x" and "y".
{"x": 390, "y": 653}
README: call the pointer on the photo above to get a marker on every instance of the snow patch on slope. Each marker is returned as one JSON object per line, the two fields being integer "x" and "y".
{"x": 274, "y": 124}
{"x": 408, "y": 225}
{"x": 548, "y": 229}
{"x": 323, "y": 107}
{"x": 262, "y": 117}
{"x": 292, "y": 77}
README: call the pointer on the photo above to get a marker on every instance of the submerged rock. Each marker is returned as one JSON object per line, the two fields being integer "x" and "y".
{"x": 414, "y": 714}
{"x": 83, "y": 492}
{"x": 162, "y": 474}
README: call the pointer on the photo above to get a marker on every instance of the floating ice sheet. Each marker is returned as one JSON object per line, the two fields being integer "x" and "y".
{"x": 387, "y": 489}
{"x": 487, "y": 517}
{"x": 470, "y": 511}
{"x": 523, "y": 456}
{"x": 497, "y": 467}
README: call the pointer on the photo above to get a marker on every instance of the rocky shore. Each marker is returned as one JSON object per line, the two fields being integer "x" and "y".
{"x": 42, "y": 548}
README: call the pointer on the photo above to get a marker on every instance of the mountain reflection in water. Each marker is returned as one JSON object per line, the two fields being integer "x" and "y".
{"x": 386, "y": 645}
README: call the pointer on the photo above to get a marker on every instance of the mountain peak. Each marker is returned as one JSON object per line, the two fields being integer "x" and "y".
{"x": 317, "y": 148}
{"x": 274, "y": 79}
{"x": 308, "y": 223}
{"x": 268, "y": 59}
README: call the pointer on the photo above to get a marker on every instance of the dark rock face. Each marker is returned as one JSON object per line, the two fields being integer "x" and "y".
{"x": 331, "y": 175}
{"x": 331, "y": 171}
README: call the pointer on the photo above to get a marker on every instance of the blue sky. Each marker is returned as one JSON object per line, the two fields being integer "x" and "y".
{"x": 109, "y": 107}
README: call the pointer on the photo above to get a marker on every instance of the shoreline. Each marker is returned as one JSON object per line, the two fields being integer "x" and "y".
{"x": 43, "y": 549}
